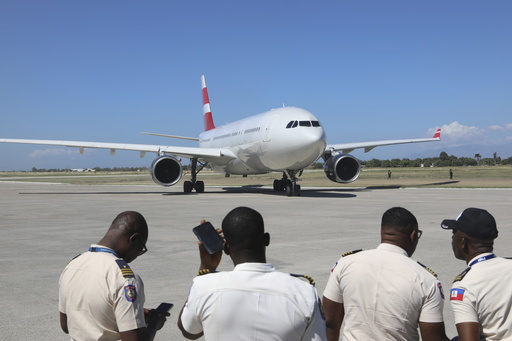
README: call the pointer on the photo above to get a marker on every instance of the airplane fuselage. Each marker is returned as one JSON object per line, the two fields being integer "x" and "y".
{"x": 281, "y": 139}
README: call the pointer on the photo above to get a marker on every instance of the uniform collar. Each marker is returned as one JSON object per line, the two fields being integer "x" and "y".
{"x": 392, "y": 248}
{"x": 258, "y": 267}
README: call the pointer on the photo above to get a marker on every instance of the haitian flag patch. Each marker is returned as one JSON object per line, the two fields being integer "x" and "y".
{"x": 130, "y": 293}
{"x": 457, "y": 295}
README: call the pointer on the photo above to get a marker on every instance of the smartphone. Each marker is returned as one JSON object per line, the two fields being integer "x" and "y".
{"x": 164, "y": 307}
{"x": 210, "y": 238}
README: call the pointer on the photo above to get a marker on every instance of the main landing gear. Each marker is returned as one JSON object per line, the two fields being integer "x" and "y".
{"x": 188, "y": 186}
{"x": 288, "y": 183}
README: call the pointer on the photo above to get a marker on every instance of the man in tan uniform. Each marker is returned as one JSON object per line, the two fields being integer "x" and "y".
{"x": 382, "y": 294}
{"x": 481, "y": 296}
{"x": 100, "y": 298}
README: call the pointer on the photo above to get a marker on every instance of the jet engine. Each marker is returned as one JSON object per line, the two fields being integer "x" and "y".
{"x": 343, "y": 168}
{"x": 166, "y": 170}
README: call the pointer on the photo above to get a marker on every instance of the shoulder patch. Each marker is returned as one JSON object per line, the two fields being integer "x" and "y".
{"x": 125, "y": 268}
{"x": 461, "y": 275}
{"x": 205, "y": 271}
{"x": 310, "y": 279}
{"x": 351, "y": 253}
{"x": 429, "y": 270}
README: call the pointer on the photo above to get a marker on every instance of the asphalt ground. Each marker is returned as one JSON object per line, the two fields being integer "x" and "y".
{"x": 43, "y": 226}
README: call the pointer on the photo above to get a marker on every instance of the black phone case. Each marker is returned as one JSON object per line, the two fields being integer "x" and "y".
{"x": 164, "y": 307}
{"x": 210, "y": 238}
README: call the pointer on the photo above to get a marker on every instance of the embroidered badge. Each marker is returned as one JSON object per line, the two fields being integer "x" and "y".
{"x": 457, "y": 295}
{"x": 130, "y": 293}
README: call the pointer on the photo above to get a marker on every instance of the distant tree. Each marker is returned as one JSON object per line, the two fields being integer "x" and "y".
{"x": 429, "y": 162}
{"x": 443, "y": 156}
{"x": 386, "y": 164}
{"x": 374, "y": 163}
{"x": 395, "y": 162}
{"x": 478, "y": 157}
{"x": 416, "y": 163}
{"x": 468, "y": 161}
{"x": 496, "y": 158}
{"x": 405, "y": 163}
{"x": 457, "y": 162}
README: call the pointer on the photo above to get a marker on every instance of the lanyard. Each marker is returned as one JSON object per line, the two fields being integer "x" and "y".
{"x": 103, "y": 249}
{"x": 482, "y": 259}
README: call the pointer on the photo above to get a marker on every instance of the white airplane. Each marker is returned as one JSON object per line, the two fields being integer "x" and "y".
{"x": 285, "y": 140}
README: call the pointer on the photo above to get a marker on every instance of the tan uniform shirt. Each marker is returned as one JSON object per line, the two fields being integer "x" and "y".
{"x": 100, "y": 296}
{"x": 484, "y": 295}
{"x": 384, "y": 294}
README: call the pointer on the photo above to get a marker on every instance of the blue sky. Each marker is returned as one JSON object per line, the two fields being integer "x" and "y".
{"x": 369, "y": 70}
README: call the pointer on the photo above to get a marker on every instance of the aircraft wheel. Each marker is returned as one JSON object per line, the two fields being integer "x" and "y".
{"x": 297, "y": 190}
{"x": 277, "y": 185}
{"x": 290, "y": 189}
{"x": 187, "y": 187}
{"x": 200, "y": 186}
{"x": 282, "y": 185}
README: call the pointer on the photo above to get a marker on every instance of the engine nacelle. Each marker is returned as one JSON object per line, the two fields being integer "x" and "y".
{"x": 343, "y": 168}
{"x": 166, "y": 170}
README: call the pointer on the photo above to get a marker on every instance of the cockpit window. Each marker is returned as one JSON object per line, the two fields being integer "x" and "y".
{"x": 293, "y": 124}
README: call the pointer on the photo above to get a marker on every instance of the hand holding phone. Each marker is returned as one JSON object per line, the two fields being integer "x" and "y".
{"x": 210, "y": 238}
{"x": 164, "y": 307}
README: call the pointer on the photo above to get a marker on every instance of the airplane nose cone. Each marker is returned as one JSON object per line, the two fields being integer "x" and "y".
{"x": 303, "y": 147}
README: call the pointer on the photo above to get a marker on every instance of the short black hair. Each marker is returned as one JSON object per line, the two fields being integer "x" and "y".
{"x": 243, "y": 228}
{"x": 130, "y": 222}
{"x": 399, "y": 219}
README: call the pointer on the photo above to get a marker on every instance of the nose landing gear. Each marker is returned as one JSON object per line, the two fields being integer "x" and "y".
{"x": 288, "y": 183}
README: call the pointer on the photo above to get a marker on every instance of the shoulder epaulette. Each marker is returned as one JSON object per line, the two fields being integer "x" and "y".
{"x": 310, "y": 279}
{"x": 351, "y": 253}
{"x": 72, "y": 259}
{"x": 462, "y": 274}
{"x": 205, "y": 271}
{"x": 429, "y": 270}
{"x": 125, "y": 268}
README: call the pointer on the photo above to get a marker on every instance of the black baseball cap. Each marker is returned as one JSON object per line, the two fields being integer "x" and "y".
{"x": 475, "y": 222}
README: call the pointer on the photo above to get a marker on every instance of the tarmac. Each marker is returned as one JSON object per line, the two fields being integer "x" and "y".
{"x": 43, "y": 226}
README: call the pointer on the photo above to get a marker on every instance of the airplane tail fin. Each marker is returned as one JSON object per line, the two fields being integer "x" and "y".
{"x": 207, "y": 113}
{"x": 437, "y": 135}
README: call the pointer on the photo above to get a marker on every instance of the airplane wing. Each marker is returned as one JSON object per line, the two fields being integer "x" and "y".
{"x": 187, "y": 152}
{"x": 173, "y": 136}
{"x": 348, "y": 147}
